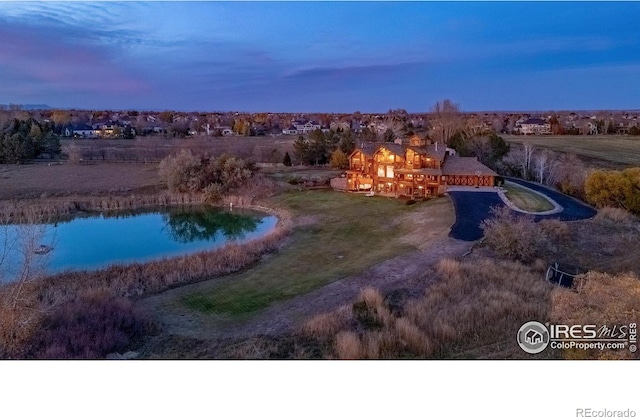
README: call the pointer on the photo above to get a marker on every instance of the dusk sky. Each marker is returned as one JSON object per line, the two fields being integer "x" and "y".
{"x": 320, "y": 57}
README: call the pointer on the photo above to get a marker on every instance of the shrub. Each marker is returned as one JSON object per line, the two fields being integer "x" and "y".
{"x": 327, "y": 325}
{"x": 90, "y": 327}
{"x": 614, "y": 215}
{"x": 213, "y": 193}
{"x": 512, "y": 236}
{"x": 17, "y": 328}
{"x": 615, "y": 189}
{"x": 187, "y": 173}
{"x": 370, "y": 310}
{"x": 518, "y": 237}
{"x": 180, "y": 172}
{"x": 339, "y": 159}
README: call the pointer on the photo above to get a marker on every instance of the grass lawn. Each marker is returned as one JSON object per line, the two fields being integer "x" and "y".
{"x": 617, "y": 151}
{"x": 525, "y": 199}
{"x": 338, "y": 235}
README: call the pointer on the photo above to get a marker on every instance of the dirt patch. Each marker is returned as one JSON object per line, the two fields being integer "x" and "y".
{"x": 427, "y": 228}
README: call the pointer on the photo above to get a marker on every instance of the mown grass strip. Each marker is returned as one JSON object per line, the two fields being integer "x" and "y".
{"x": 347, "y": 233}
{"x": 527, "y": 200}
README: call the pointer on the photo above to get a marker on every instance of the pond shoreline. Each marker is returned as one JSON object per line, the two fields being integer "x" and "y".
{"x": 137, "y": 280}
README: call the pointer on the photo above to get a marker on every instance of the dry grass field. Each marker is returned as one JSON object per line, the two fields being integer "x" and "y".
{"x": 606, "y": 151}
{"x": 43, "y": 180}
{"x": 154, "y": 148}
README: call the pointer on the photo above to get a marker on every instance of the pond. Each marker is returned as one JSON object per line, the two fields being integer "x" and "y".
{"x": 91, "y": 242}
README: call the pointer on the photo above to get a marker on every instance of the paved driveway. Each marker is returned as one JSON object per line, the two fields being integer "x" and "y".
{"x": 572, "y": 209}
{"x": 473, "y": 207}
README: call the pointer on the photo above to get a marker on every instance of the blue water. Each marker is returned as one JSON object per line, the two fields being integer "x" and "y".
{"x": 95, "y": 242}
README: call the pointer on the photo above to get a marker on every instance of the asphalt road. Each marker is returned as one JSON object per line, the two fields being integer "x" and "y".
{"x": 473, "y": 207}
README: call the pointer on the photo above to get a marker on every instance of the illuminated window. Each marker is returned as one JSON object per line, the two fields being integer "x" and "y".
{"x": 381, "y": 172}
{"x": 389, "y": 171}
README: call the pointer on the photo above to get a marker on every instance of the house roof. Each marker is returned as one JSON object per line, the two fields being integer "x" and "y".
{"x": 535, "y": 121}
{"x": 393, "y": 148}
{"x": 366, "y": 148}
{"x": 418, "y": 150}
{"x": 439, "y": 154}
{"x": 458, "y": 165}
{"x": 81, "y": 126}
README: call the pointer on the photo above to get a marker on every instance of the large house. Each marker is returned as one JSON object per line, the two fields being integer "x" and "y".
{"x": 418, "y": 170}
{"x": 81, "y": 131}
{"x": 534, "y": 126}
{"x": 302, "y": 127}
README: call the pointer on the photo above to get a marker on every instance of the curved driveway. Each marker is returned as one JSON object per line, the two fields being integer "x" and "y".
{"x": 473, "y": 207}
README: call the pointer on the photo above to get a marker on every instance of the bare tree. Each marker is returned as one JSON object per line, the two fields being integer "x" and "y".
{"x": 446, "y": 120}
{"x": 519, "y": 159}
{"x": 23, "y": 255}
{"x": 542, "y": 162}
{"x": 528, "y": 150}
{"x": 23, "y": 259}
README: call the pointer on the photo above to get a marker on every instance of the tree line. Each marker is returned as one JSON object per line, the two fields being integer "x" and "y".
{"x": 321, "y": 148}
{"x": 22, "y": 140}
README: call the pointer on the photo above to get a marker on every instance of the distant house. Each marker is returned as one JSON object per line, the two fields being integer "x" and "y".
{"x": 291, "y": 130}
{"x": 586, "y": 126}
{"x": 301, "y": 127}
{"x": 81, "y": 131}
{"x": 304, "y": 126}
{"x": 534, "y": 126}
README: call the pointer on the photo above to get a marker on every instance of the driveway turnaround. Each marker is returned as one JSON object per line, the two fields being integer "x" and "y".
{"x": 572, "y": 209}
{"x": 473, "y": 207}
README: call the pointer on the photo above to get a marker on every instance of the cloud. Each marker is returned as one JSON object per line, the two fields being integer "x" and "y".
{"x": 351, "y": 72}
{"x": 42, "y": 59}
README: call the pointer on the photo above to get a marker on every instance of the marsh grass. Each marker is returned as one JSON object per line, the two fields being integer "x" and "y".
{"x": 600, "y": 299}
{"x": 474, "y": 303}
{"x": 90, "y": 327}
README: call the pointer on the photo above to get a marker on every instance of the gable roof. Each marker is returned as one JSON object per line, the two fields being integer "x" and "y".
{"x": 394, "y": 148}
{"x": 535, "y": 121}
{"x": 368, "y": 148}
{"x": 458, "y": 165}
{"x": 81, "y": 126}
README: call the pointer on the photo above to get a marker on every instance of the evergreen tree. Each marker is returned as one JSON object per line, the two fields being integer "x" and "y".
{"x": 287, "y": 159}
